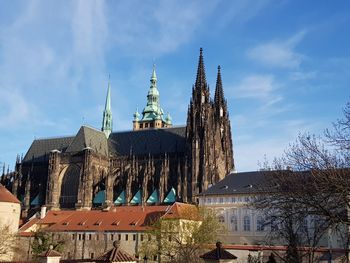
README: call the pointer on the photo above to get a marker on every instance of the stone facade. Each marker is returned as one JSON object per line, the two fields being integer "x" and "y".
{"x": 70, "y": 172}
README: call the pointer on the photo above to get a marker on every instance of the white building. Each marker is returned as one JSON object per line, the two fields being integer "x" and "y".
{"x": 244, "y": 225}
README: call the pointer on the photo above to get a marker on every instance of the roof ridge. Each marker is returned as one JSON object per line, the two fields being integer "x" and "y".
{"x": 153, "y": 129}
{"x": 54, "y": 137}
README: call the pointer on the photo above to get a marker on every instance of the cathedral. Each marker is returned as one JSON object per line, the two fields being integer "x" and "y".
{"x": 153, "y": 163}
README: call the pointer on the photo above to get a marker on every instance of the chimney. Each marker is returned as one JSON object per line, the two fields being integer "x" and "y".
{"x": 43, "y": 212}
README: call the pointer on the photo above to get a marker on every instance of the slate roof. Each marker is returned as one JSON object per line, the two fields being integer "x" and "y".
{"x": 239, "y": 183}
{"x": 143, "y": 142}
{"x": 151, "y": 141}
{"x": 6, "y": 196}
{"x": 116, "y": 254}
{"x": 40, "y": 148}
{"x": 89, "y": 137}
{"x": 218, "y": 253}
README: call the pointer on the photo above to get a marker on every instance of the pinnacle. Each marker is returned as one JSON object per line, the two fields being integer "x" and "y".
{"x": 201, "y": 79}
{"x": 219, "y": 93}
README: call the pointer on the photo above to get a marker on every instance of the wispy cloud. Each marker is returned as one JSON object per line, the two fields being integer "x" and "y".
{"x": 256, "y": 86}
{"x": 279, "y": 53}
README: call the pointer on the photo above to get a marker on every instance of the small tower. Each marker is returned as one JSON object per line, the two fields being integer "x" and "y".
{"x": 136, "y": 120}
{"x": 107, "y": 122}
{"x": 152, "y": 114}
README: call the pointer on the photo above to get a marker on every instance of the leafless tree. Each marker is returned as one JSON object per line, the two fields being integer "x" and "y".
{"x": 311, "y": 181}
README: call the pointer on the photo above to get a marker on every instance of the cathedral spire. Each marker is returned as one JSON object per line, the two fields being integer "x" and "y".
{"x": 219, "y": 99}
{"x": 219, "y": 92}
{"x": 107, "y": 122}
{"x": 200, "y": 79}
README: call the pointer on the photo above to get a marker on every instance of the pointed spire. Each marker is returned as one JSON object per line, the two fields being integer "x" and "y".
{"x": 108, "y": 98}
{"x": 219, "y": 92}
{"x": 200, "y": 79}
{"x": 154, "y": 76}
{"x": 107, "y": 122}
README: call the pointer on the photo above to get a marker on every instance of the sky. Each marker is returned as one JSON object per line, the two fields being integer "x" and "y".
{"x": 285, "y": 66}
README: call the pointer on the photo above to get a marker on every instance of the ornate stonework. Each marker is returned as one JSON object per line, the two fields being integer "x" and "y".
{"x": 154, "y": 165}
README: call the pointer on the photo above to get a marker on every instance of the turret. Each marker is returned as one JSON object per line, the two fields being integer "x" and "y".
{"x": 107, "y": 122}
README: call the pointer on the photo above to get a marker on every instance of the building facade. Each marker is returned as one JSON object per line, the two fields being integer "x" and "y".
{"x": 232, "y": 198}
{"x": 151, "y": 164}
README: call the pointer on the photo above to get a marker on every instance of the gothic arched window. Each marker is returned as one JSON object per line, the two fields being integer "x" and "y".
{"x": 221, "y": 219}
{"x": 246, "y": 223}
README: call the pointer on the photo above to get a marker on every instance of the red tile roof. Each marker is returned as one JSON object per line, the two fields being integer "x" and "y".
{"x": 121, "y": 218}
{"x": 7, "y": 196}
{"x": 183, "y": 211}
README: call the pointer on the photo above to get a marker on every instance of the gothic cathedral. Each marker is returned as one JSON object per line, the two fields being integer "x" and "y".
{"x": 153, "y": 163}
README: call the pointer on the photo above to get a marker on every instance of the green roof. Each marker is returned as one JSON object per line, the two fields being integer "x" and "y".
{"x": 137, "y": 199}
{"x": 154, "y": 197}
{"x": 171, "y": 197}
{"x": 121, "y": 200}
{"x": 100, "y": 197}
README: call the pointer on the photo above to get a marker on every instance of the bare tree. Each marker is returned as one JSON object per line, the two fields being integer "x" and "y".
{"x": 311, "y": 181}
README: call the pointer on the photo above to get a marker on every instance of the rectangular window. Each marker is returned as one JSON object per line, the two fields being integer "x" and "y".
{"x": 146, "y": 125}
{"x": 141, "y": 125}
{"x": 73, "y": 236}
{"x": 149, "y": 238}
{"x": 141, "y": 237}
{"x": 112, "y": 236}
{"x": 134, "y": 237}
{"x": 221, "y": 200}
{"x": 119, "y": 237}
{"x": 151, "y": 125}
{"x": 68, "y": 255}
{"x": 126, "y": 237}
{"x": 89, "y": 237}
{"x": 92, "y": 255}
{"x": 233, "y": 199}
{"x": 97, "y": 236}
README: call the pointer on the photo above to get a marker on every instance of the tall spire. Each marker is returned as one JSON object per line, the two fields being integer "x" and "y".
{"x": 219, "y": 92}
{"x": 200, "y": 79}
{"x": 107, "y": 122}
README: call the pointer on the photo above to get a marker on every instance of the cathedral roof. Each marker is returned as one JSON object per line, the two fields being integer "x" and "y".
{"x": 89, "y": 137}
{"x": 143, "y": 142}
{"x": 151, "y": 141}
{"x": 40, "y": 148}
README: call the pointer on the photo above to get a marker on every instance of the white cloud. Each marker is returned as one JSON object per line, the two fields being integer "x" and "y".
{"x": 279, "y": 53}
{"x": 299, "y": 75}
{"x": 15, "y": 110}
{"x": 259, "y": 87}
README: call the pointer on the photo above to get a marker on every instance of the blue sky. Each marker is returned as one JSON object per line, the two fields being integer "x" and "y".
{"x": 285, "y": 66}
